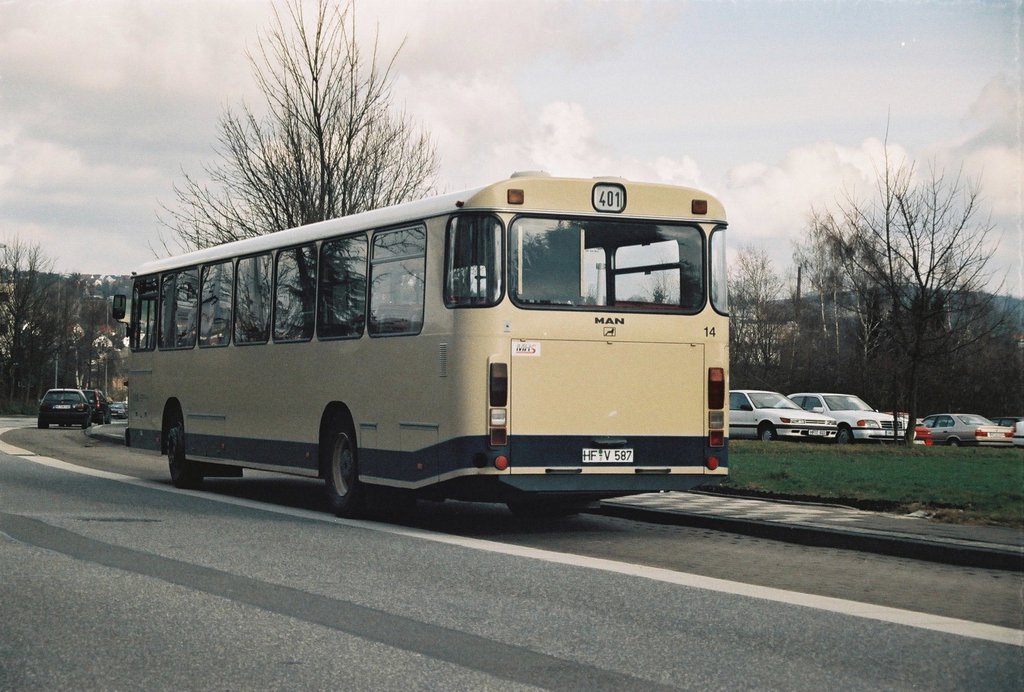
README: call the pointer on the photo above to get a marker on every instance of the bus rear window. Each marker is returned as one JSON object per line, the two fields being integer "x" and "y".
{"x": 588, "y": 264}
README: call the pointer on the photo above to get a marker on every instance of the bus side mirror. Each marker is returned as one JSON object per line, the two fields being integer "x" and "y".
{"x": 118, "y": 308}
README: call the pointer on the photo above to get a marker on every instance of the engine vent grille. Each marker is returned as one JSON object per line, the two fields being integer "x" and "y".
{"x": 442, "y": 360}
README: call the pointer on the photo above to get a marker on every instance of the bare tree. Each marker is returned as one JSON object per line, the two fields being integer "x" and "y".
{"x": 27, "y": 319}
{"x": 331, "y": 142}
{"x": 917, "y": 257}
{"x": 755, "y": 328}
{"x": 846, "y": 317}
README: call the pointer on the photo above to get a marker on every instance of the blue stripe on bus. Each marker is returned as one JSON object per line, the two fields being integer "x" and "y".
{"x": 421, "y": 466}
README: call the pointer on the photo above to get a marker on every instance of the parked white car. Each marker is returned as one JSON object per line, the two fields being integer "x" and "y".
{"x": 1018, "y": 434}
{"x": 767, "y": 415}
{"x": 857, "y": 420}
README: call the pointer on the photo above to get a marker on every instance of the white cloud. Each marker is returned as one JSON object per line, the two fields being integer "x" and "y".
{"x": 774, "y": 201}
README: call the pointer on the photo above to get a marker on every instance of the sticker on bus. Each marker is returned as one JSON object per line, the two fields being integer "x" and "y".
{"x": 607, "y": 456}
{"x": 526, "y": 348}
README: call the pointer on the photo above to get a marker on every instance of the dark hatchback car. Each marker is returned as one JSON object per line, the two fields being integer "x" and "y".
{"x": 64, "y": 407}
{"x": 100, "y": 405}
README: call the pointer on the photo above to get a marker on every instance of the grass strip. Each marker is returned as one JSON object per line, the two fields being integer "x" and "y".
{"x": 966, "y": 484}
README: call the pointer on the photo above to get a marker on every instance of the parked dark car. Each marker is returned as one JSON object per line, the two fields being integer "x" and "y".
{"x": 64, "y": 407}
{"x": 118, "y": 410}
{"x": 100, "y": 405}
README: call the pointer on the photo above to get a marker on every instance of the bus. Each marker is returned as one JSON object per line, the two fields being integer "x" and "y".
{"x": 541, "y": 342}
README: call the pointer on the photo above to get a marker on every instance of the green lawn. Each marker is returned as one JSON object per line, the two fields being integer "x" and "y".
{"x": 964, "y": 484}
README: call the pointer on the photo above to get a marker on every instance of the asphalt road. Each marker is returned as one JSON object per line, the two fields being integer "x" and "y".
{"x": 117, "y": 584}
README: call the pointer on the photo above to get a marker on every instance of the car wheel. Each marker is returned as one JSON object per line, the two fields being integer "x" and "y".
{"x": 767, "y": 433}
{"x": 86, "y": 422}
{"x": 341, "y": 472}
{"x": 184, "y": 473}
{"x": 953, "y": 442}
{"x": 844, "y": 436}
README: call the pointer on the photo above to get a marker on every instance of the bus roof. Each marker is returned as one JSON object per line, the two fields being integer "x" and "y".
{"x": 539, "y": 192}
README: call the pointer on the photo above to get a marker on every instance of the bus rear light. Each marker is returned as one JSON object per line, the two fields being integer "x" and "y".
{"x": 716, "y": 420}
{"x": 711, "y": 463}
{"x": 516, "y": 196}
{"x": 498, "y": 418}
{"x": 716, "y": 387}
{"x": 699, "y": 206}
{"x": 501, "y": 462}
{"x": 498, "y": 384}
{"x": 716, "y": 438}
{"x": 499, "y": 437}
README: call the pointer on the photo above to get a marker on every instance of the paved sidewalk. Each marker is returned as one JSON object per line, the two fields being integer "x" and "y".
{"x": 830, "y": 525}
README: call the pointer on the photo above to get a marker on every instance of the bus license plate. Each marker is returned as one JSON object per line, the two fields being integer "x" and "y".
{"x": 607, "y": 456}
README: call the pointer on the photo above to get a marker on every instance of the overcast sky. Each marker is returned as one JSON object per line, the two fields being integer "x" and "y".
{"x": 775, "y": 107}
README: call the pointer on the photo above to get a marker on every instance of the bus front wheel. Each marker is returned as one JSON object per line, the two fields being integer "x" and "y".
{"x": 184, "y": 473}
{"x": 344, "y": 491}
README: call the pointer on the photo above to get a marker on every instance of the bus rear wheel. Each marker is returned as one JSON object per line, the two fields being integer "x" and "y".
{"x": 344, "y": 491}
{"x": 184, "y": 473}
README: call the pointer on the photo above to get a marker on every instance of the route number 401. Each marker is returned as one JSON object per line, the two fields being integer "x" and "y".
{"x": 609, "y": 197}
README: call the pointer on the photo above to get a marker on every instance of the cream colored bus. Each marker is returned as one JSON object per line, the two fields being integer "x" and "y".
{"x": 542, "y": 342}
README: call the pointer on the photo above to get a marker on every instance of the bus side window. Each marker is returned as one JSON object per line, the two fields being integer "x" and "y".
{"x": 396, "y": 288}
{"x": 252, "y": 300}
{"x": 143, "y": 323}
{"x": 473, "y": 261}
{"x": 215, "y": 305}
{"x": 342, "y": 289}
{"x": 179, "y": 298}
{"x": 295, "y": 294}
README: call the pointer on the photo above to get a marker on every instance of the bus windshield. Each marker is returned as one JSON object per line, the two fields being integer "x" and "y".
{"x": 586, "y": 264}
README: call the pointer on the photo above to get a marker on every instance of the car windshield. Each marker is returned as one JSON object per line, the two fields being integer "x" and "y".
{"x": 971, "y": 419}
{"x": 771, "y": 400}
{"x": 846, "y": 402}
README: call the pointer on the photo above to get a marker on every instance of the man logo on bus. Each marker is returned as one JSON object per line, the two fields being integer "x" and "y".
{"x": 609, "y": 320}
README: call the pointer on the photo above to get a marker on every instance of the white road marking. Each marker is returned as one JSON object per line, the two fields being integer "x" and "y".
{"x": 898, "y": 616}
